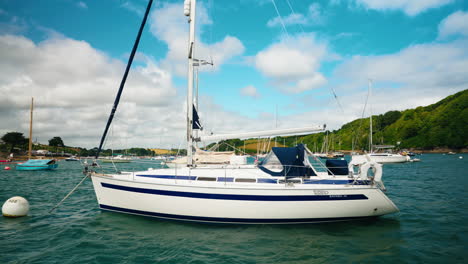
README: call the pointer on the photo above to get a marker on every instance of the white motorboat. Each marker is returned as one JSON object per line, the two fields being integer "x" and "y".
{"x": 72, "y": 158}
{"x": 288, "y": 186}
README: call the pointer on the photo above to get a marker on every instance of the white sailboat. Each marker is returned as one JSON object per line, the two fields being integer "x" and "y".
{"x": 117, "y": 159}
{"x": 381, "y": 158}
{"x": 377, "y": 153}
{"x": 287, "y": 187}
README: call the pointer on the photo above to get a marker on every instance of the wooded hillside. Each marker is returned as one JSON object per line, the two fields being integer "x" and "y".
{"x": 440, "y": 125}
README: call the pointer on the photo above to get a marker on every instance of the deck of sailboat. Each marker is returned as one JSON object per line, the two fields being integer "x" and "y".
{"x": 232, "y": 176}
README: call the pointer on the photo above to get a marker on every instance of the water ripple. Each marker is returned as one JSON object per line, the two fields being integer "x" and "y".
{"x": 430, "y": 227}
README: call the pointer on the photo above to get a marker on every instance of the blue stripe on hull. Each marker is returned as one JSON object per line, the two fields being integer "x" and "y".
{"x": 229, "y": 220}
{"x": 170, "y": 177}
{"x": 239, "y": 197}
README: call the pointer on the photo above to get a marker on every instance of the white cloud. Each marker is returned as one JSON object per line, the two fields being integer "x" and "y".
{"x": 293, "y": 63}
{"x": 292, "y": 19}
{"x": 410, "y": 7}
{"x": 12, "y": 24}
{"x": 456, "y": 23}
{"x": 169, "y": 25}
{"x": 425, "y": 66}
{"x": 135, "y": 8}
{"x": 74, "y": 86}
{"x": 250, "y": 91}
{"x": 313, "y": 16}
{"x": 415, "y": 76}
{"x": 220, "y": 121}
{"x": 346, "y": 35}
{"x": 82, "y": 4}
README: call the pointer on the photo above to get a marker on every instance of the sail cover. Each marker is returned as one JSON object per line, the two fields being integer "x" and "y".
{"x": 288, "y": 162}
{"x": 196, "y": 120}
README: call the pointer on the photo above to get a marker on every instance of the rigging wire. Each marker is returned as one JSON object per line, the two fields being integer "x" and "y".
{"x": 358, "y": 132}
{"x": 294, "y": 13}
{"x": 210, "y": 13}
{"x": 337, "y": 100}
{"x": 235, "y": 148}
{"x": 280, "y": 18}
{"x": 124, "y": 78}
{"x": 302, "y": 29}
{"x": 365, "y": 103}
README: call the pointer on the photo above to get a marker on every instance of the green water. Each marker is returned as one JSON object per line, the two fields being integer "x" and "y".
{"x": 431, "y": 227}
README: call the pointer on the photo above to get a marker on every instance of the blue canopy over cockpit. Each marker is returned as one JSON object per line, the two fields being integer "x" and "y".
{"x": 287, "y": 162}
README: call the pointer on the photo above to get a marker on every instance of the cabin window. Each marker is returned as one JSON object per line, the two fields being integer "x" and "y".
{"x": 206, "y": 179}
{"x": 290, "y": 181}
{"x": 245, "y": 180}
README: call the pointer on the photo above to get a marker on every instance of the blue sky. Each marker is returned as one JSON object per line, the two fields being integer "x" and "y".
{"x": 288, "y": 55}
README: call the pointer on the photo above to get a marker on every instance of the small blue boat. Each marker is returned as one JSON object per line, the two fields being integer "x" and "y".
{"x": 37, "y": 164}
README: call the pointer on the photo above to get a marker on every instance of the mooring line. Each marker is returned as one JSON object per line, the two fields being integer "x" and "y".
{"x": 64, "y": 198}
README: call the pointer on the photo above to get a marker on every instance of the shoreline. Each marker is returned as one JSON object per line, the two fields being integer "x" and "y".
{"x": 23, "y": 158}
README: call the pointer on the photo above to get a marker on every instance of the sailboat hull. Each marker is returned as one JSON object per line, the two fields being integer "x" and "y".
{"x": 220, "y": 203}
{"x": 40, "y": 164}
{"x": 380, "y": 158}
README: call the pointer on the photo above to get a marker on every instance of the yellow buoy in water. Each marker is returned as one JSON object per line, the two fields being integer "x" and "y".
{"x": 16, "y": 206}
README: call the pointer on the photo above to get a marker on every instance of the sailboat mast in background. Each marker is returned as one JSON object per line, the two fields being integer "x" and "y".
{"x": 30, "y": 128}
{"x": 370, "y": 108}
{"x": 35, "y": 164}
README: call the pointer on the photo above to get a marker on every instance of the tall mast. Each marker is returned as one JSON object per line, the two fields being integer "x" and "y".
{"x": 30, "y": 128}
{"x": 370, "y": 108}
{"x": 189, "y": 10}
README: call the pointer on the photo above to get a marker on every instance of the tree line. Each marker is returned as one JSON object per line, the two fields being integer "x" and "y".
{"x": 16, "y": 142}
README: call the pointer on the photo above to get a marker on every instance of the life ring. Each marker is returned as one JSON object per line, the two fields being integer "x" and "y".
{"x": 376, "y": 170}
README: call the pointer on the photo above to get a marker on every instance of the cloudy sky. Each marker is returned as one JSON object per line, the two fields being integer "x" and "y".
{"x": 277, "y": 63}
